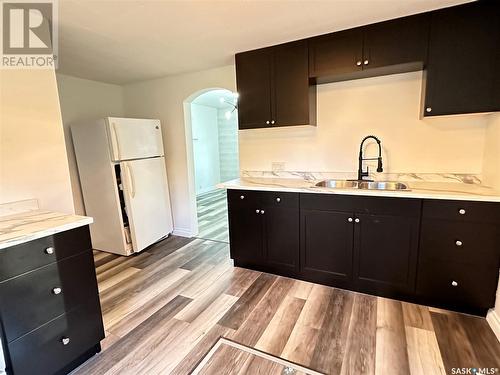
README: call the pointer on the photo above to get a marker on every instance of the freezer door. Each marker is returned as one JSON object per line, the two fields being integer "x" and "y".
{"x": 147, "y": 200}
{"x": 131, "y": 138}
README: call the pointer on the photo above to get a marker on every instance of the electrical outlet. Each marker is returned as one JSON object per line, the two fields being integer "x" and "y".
{"x": 277, "y": 166}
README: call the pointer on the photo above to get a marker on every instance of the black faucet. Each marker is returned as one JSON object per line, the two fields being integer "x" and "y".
{"x": 362, "y": 174}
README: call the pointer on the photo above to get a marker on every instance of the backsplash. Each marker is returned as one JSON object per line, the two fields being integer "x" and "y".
{"x": 405, "y": 177}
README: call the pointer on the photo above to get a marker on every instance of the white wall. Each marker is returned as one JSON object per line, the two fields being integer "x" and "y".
{"x": 228, "y": 145}
{"x": 388, "y": 107}
{"x": 164, "y": 99}
{"x": 33, "y": 160}
{"x": 205, "y": 147}
{"x": 82, "y": 99}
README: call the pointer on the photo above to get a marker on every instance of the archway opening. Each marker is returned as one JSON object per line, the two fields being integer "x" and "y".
{"x": 213, "y": 137}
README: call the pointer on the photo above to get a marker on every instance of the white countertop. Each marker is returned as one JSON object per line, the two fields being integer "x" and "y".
{"x": 27, "y": 226}
{"x": 418, "y": 189}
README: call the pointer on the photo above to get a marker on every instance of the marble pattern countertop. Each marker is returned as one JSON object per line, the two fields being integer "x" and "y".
{"x": 26, "y": 226}
{"x": 418, "y": 188}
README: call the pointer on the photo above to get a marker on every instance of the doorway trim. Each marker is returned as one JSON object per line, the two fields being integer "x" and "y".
{"x": 188, "y": 131}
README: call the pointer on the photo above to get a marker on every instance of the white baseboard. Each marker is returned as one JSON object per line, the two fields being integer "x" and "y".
{"x": 183, "y": 232}
{"x": 494, "y": 321}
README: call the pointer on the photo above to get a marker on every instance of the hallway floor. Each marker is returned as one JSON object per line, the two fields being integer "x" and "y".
{"x": 212, "y": 216}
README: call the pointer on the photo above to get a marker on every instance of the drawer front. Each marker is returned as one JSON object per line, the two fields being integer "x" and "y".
{"x": 471, "y": 243}
{"x": 457, "y": 285}
{"x": 43, "y": 351}
{"x": 280, "y": 199}
{"x": 28, "y": 256}
{"x": 462, "y": 210}
{"x": 243, "y": 199}
{"x": 33, "y": 299}
{"x": 361, "y": 204}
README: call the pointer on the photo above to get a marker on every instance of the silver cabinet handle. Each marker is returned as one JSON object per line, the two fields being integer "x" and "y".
{"x": 278, "y": 199}
{"x": 56, "y": 290}
{"x": 428, "y": 110}
{"x": 272, "y": 122}
{"x": 458, "y": 243}
{"x": 461, "y": 211}
{"x": 65, "y": 340}
{"x": 454, "y": 283}
{"x": 356, "y": 220}
{"x": 267, "y": 122}
{"x": 242, "y": 197}
{"x": 349, "y": 220}
{"x": 257, "y": 211}
{"x": 358, "y": 63}
{"x": 49, "y": 250}
{"x": 366, "y": 62}
{"x": 262, "y": 212}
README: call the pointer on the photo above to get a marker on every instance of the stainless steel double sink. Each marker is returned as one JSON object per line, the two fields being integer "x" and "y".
{"x": 365, "y": 185}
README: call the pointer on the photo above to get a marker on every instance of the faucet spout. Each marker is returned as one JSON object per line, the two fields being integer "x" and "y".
{"x": 380, "y": 168}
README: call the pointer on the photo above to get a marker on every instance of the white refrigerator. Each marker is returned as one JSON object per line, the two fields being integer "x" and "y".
{"x": 124, "y": 184}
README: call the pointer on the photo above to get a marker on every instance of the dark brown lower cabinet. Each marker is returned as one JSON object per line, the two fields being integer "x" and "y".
{"x": 326, "y": 250}
{"x": 50, "y": 314}
{"x": 436, "y": 252}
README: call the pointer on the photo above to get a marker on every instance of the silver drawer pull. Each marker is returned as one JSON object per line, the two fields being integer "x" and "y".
{"x": 56, "y": 290}
{"x": 262, "y": 212}
{"x": 278, "y": 199}
{"x": 65, "y": 340}
{"x": 257, "y": 211}
{"x": 49, "y": 250}
{"x": 461, "y": 211}
{"x": 454, "y": 283}
{"x": 242, "y": 197}
{"x": 458, "y": 243}
{"x": 349, "y": 220}
{"x": 356, "y": 220}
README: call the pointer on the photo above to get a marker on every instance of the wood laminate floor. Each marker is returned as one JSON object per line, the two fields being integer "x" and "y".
{"x": 165, "y": 308}
{"x": 212, "y": 216}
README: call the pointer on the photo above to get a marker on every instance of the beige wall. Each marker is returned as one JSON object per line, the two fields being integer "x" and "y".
{"x": 33, "y": 160}
{"x": 491, "y": 167}
{"x": 82, "y": 99}
{"x": 164, "y": 99}
{"x": 388, "y": 107}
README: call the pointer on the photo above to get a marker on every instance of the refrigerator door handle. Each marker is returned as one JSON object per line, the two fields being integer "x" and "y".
{"x": 115, "y": 135}
{"x": 131, "y": 180}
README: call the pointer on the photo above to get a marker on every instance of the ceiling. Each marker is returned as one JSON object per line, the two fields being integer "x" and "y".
{"x": 219, "y": 98}
{"x": 122, "y": 41}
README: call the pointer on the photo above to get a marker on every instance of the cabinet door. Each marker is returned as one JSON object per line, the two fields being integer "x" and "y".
{"x": 402, "y": 41}
{"x": 463, "y": 74}
{"x": 385, "y": 253}
{"x": 294, "y": 101}
{"x": 253, "y": 79}
{"x": 326, "y": 247}
{"x": 281, "y": 231}
{"x": 336, "y": 55}
{"x": 245, "y": 227}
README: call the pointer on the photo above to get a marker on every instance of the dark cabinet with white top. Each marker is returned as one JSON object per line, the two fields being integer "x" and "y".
{"x": 50, "y": 312}
{"x": 436, "y": 252}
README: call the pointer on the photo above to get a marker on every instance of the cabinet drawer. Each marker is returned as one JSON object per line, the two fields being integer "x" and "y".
{"x": 28, "y": 256}
{"x": 361, "y": 204}
{"x": 472, "y": 243}
{"x": 243, "y": 199}
{"x": 475, "y": 286}
{"x": 462, "y": 210}
{"x": 43, "y": 352}
{"x": 280, "y": 199}
{"x": 32, "y": 299}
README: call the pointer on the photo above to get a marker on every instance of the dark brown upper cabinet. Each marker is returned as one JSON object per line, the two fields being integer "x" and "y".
{"x": 463, "y": 70}
{"x": 273, "y": 87}
{"x": 389, "y": 47}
